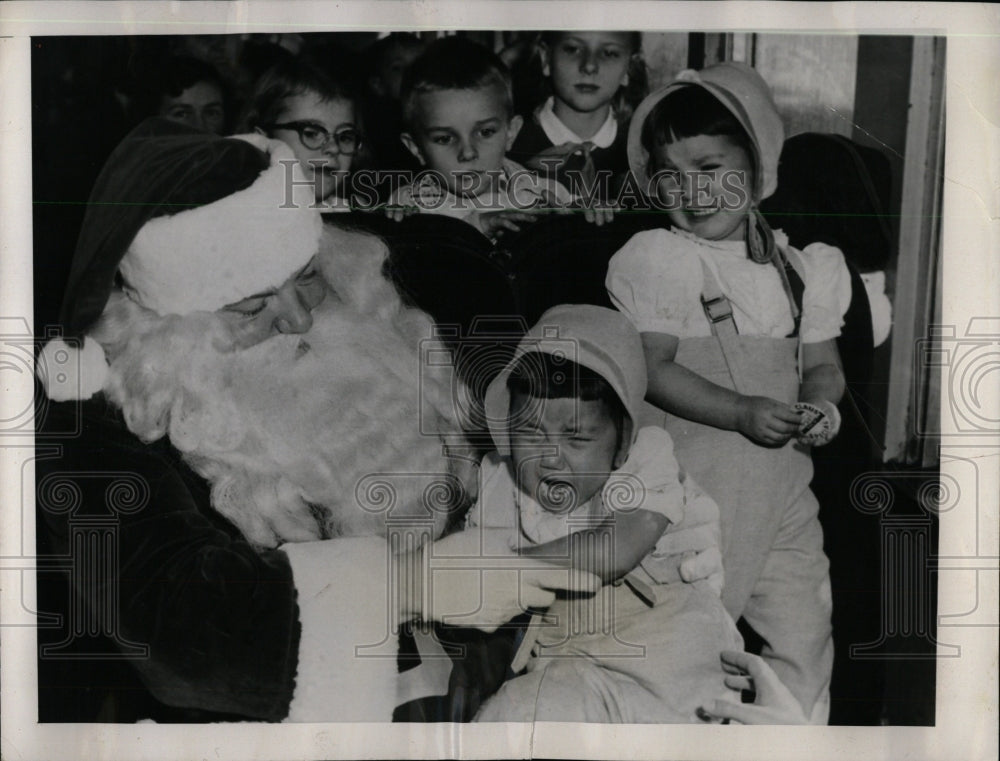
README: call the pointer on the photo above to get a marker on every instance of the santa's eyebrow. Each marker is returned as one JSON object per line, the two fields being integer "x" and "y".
{"x": 261, "y": 295}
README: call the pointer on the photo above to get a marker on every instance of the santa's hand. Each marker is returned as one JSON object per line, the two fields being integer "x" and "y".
{"x": 473, "y": 579}
{"x": 820, "y": 422}
{"x": 774, "y": 703}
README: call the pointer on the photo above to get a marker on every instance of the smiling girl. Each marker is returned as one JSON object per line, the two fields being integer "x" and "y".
{"x": 739, "y": 334}
{"x": 304, "y": 106}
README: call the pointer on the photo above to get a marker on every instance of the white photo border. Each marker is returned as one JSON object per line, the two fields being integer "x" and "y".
{"x": 966, "y": 686}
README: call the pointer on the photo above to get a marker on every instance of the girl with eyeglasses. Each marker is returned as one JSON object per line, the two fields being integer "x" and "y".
{"x": 302, "y": 104}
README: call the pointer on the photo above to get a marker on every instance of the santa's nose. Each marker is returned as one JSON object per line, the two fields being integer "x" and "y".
{"x": 291, "y": 315}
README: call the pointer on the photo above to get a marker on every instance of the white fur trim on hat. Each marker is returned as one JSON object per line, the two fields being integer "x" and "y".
{"x": 71, "y": 372}
{"x": 244, "y": 244}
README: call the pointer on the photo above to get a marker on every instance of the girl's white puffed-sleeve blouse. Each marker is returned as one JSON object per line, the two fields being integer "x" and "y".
{"x": 657, "y": 278}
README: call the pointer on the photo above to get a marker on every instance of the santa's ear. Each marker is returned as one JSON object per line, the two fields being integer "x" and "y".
{"x": 413, "y": 147}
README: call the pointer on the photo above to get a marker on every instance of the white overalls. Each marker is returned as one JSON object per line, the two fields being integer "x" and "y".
{"x": 777, "y": 576}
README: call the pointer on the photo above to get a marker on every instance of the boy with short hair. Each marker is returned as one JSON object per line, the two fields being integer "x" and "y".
{"x": 578, "y": 482}
{"x": 458, "y": 114}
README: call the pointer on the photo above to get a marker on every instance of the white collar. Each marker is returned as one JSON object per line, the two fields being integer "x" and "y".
{"x": 558, "y": 133}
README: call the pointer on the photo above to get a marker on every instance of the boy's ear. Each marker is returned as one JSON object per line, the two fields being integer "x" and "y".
{"x": 543, "y": 54}
{"x": 412, "y": 147}
{"x": 634, "y": 62}
{"x": 513, "y": 127}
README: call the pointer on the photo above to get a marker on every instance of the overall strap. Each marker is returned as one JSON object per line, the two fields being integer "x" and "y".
{"x": 789, "y": 268}
{"x": 718, "y": 309}
{"x": 719, "y": 312}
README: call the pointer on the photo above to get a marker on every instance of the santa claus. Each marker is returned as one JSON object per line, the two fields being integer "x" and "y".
{"x": 257, "y": 377}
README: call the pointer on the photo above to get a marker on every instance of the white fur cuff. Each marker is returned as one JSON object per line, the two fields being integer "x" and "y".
{"x": 347, "y": 665}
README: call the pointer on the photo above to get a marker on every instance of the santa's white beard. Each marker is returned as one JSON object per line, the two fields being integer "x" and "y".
{"x": 334, "y": 432}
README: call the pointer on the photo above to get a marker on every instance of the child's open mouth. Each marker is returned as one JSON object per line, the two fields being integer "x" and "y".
{"x": 586, "y": 88}
{"x": 556, "y": 495}
{"x": 701, "y": 211}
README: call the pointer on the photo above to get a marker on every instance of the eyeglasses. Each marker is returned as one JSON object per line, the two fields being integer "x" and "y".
{"x": 316, "y": 138}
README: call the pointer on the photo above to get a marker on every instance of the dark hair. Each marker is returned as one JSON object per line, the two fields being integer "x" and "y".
{"x": 379, "y": 50}
{"x": 284, "y": 80}
{"x": 454, "y": 63}
{"x": 169, "y": 77}
{"x": 629, "y": 96}
{"x": 544, "y": 376}
{"x": 181, "y": 72}
{"x": 687, "y": 112}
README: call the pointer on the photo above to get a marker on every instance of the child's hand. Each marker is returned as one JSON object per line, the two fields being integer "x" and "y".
{"x": 773, "y": 704}
{"x": 767, "y": 421}
{"x": 493, "y": 224}
{"x": 599, "y": 216}
{"x": 549, "y": 200}
{"x": 399, "y": 213}
{"x": 707, "y": 565}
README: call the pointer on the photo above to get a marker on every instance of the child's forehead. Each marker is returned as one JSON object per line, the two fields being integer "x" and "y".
{"x": 310, "y": 102}
{"x": 599, "y": 37}
{"x": 487, "y": 101}
{"x": 564, "y": 411}
{"x": 700, "y": 146}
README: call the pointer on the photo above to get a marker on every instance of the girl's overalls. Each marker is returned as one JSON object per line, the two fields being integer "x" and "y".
{"x": 776, "y": 575}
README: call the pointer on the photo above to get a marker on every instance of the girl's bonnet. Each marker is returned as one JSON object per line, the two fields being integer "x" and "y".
{"x": 746, "y": 95}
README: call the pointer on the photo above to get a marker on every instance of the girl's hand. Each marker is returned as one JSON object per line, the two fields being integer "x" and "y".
{"x": 773, "y": 704}
{"x": 767, "y": 421}
{"x": 399, "y": 213}
{"x": 598, "y": 215}
{"x": 493, "y": 224}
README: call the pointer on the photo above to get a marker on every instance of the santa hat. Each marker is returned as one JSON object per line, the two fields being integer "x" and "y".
{"x": 191, "y": 222}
